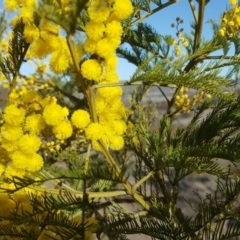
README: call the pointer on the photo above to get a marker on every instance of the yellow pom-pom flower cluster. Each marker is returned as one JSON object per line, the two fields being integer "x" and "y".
{"x": 19, "y": 202}
{"x": 181, "y": 41}
{"x": 233, "y": 2}
{"x": 44, "y": 38}
{"x": 230, "y": 21}
{"x": 104, "y": 31}
{"x": 183, "y": 101}
{"x": 24, "y": 144}
{"x": 80, "y": 119}
{"x": 32, "y": 124}
{"x": 27, "y": 123}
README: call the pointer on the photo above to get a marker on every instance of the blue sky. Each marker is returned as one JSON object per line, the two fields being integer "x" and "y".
{"x": 162, "y": 20}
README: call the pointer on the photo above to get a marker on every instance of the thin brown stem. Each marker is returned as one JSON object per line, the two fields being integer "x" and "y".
{"x": 87, "y": 91}
{"x": 126, "y": 184}
{"x": 157, "y": 9}
{"x": 171, "y": 102}
{"x": 197, "y": 37}
{"x": 199, "y": 25}
{"x": 164, "y": 95}
{"x": 193, "y": 10}
{"x": 76, "y": 64}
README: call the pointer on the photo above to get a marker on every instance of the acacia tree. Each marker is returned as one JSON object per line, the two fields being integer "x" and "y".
{"x": 70, "y": 111}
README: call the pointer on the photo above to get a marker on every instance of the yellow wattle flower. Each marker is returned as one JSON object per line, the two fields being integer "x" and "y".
{"x": 114, "y": 29}
{"x": 116, "y": 142}
{"x": 95, "y": 30}
{"x": 233, "y": 2}
{"x": 14, "y": 115}
{"x": 59, "y": 61}
{"x": 94, "y": 131}
{"x": 11, "y": 5}
{"x": 80, "y": 119}
{"x": 29, "y": 143}
{"x": 123, "y": 9}
{"x": 98, "y": 14}
{"x": 63, "y": 130}
{"x": 11, "y": 132}
{"x": 91, "y": 69}
{"x": 35, "y": 123}
{"x": 54, "y": 114}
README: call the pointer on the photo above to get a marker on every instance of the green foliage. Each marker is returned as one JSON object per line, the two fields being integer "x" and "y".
{"x": 17, "y": 50}
{"x": 171, "y": 157}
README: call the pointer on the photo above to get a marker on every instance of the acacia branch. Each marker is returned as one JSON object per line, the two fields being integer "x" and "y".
{"x": 142, "y": 180}
{"x": 193, "y": 10}
{"x": 155, "y": 10}
{"x": 76, "y": 64}
{"x": 222, "y": 57}
{"x": 199, "y": 25}
{"x": 197, "y": 37}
